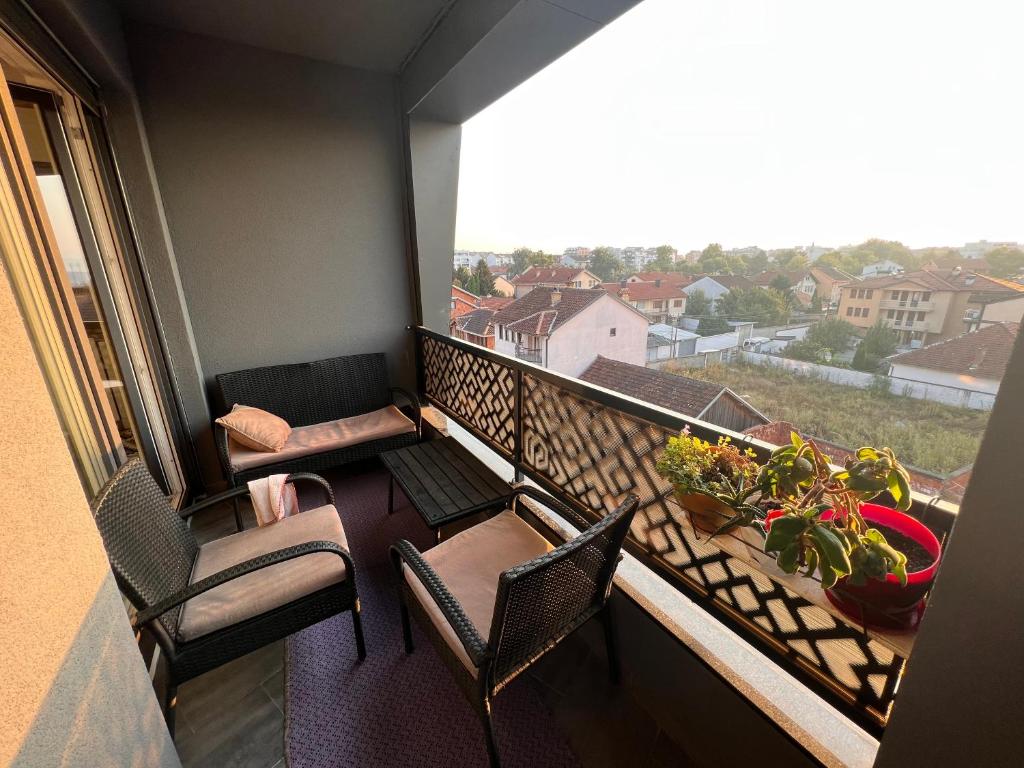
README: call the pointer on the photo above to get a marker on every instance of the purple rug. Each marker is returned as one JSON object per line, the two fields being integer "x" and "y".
{"x": 394, "y": 709}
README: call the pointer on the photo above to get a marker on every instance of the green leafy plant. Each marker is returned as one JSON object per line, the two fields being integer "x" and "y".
{"x": 719, "y": 471}
{"x": 802, "y": 481}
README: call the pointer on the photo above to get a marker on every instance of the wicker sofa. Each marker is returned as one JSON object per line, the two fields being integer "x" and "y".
{"x": 340, "y": 409}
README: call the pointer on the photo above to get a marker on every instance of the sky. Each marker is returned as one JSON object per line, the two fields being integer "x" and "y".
{"x": 755, "y": 122}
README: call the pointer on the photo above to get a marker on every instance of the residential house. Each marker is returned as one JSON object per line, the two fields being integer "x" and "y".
{"x": 502, "y": 284}
{"x": 660, "y": 302}
{"x": 822, "y": 281}
{"x": 665, "y": 342}
{"x": 1003, "y": 309}
{"x": 475, "y": 327}
{"x": 975, "y": 361}
{"x": 698, "y": 399}
{"x": 884, "y": 267}
{"x": 678, "y": 278}
{"x": 462, "y": 302}
{"x": 924, "y": 306}
{"x": 495, "y": 302}
{"x": 715, "y": 286}
{"x": 564, "y": 329}
{"x": 578, "y": 257}
{"x": 553, "y": 277}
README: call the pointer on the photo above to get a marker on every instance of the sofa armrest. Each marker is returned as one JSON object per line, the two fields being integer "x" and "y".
{"x": 416, "y": 408}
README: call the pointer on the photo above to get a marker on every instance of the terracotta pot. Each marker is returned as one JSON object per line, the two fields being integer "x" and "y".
{"x": 707, "y": 514}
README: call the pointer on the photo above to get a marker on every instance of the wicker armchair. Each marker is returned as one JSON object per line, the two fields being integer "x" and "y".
{"x": 495, "y": 598}
{"x": 306, "y": 394}
{"x": 173, "y": 582}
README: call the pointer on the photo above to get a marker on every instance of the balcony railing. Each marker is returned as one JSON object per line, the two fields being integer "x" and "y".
{"x": 923, "y": 306}
{"x": 530, "y": 354}
{"x": 590, "y": 446}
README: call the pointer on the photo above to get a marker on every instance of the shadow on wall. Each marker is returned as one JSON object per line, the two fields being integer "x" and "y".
{"x": 101, "y": 709}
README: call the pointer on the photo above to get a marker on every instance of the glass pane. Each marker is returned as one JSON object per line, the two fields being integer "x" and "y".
{"x": 84, "y": 301}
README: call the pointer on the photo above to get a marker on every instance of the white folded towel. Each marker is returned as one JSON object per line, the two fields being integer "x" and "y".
{"x": 273, "y": 499}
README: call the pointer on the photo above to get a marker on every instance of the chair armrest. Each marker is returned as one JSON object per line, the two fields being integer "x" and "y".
{"x": 153, "y": 612}
{"x": 416, "y": 408}
{"x": 465, "y": 630}
{"x": 295, "y": 477}
{"x": 548, "y": 501}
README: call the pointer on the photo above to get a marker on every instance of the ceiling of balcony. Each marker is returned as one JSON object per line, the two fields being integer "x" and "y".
{"x": 368, "y": 34}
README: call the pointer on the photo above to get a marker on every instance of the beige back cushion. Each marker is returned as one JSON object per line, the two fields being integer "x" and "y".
{"x": 256, "y": 429}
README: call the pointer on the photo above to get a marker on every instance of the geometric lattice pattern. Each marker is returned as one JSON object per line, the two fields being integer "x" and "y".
{"x": 478, "y": 393}
{"x": 592, "y": 455}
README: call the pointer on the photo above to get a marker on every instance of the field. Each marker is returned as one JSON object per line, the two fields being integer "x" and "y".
{"x": 927, "y": 435}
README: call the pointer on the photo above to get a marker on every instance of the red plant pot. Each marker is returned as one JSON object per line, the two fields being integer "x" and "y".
{"x": 886, "y": 604}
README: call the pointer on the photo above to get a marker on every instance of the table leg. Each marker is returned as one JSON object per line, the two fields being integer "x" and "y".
{"x": 437, "y": 535}
{"x": 391, "y": 495}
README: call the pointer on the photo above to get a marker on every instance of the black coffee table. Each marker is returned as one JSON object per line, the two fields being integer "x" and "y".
{"x": 444, "y": 481}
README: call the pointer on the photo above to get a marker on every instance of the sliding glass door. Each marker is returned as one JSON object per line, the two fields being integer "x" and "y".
{"x": 62, "y": 256}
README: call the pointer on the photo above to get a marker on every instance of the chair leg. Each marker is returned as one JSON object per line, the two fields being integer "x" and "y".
{"x": 489, "y": 735}
{"x": 396, "y": 561}
{"x": 391, "y": 495}
{"x": 614, "y": 668}
{"x": 238, "y": 514}
{"x": 170, "y": 703}
{"x": 357, "y": 626}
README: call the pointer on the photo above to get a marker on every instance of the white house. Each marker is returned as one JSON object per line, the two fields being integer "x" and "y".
{"x": 715, "y": 286}
{"x": 565, "y": 329}
{"x": 973, "y": 361}
{"x": 884, "y": 267}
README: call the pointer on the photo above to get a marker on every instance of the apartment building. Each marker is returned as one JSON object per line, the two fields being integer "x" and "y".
{"x": 925, "y": 306}
{"x": 553, "y": 277}
{"x": 565, "y": 329}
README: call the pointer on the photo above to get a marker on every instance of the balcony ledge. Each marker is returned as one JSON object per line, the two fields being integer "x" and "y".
{"x": 809, "y": 720}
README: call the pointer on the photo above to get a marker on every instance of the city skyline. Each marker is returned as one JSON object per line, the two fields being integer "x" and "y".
{"x": 695, "y": 123}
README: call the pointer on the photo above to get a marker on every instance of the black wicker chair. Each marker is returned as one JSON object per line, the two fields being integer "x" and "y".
{"x": 537, "y": 603}
{"x": 155, "y": 559}
{"x": 304, "y": 394}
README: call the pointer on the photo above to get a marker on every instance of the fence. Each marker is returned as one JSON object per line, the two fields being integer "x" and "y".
{"x": 919, "y": 390}
{"x": 590, "y": 447}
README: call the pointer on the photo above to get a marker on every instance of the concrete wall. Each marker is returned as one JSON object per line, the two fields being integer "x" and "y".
{"x": 282, "y": 185}
{"x": 944, "y": 379}
{"x": 575, "y": 345}
{"x": 959, "y": 397}
{"x": 74, "y": 689}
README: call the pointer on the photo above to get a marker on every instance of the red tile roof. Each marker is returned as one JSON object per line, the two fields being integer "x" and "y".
{"x": 983, "y": 353}
{"x": 690, "y": 397}
{"x": 644, "y": 291}
{"x": 535, "y": 313}
{"x": 666, "y": 277}
{"x": 495, "y": 302}
{"x": 537, "y": 275}
{"x": 943, "y": 280}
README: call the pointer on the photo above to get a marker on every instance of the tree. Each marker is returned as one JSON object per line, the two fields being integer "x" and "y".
{"x": 762, "y": 306}
{"x": 541, "y": 259}
{"x": 520, "y": 261}
{"x": 1005, "y": 261}
{"x": 879, "y": 342}
{"x": 832, "y": 334}
{"x": 790, "y": 259}
{"x": 605, "y": 264}
{"x": 664, "y": 260}
{"x": 781, "y": 284}
{"x": 462, "y": 278}
{"x": 698, "y": 304}
{"x": 481, "y": 282}
{"x": 714, "y": 261}
{"x": 755, "y": 263}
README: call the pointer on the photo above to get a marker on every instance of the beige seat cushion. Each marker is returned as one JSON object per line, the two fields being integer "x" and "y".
{"x": 469, "y": 564}
{"x": 328, "y": 436}
{"x": 270, "y": 587}
{"x": 257, "y": 430}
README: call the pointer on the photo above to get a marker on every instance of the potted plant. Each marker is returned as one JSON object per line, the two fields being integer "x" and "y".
{"x": 716, "y": 486}
{"x": 875, "y": 563}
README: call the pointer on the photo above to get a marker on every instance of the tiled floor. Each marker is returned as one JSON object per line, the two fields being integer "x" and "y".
{"x": 234, "y": 715}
